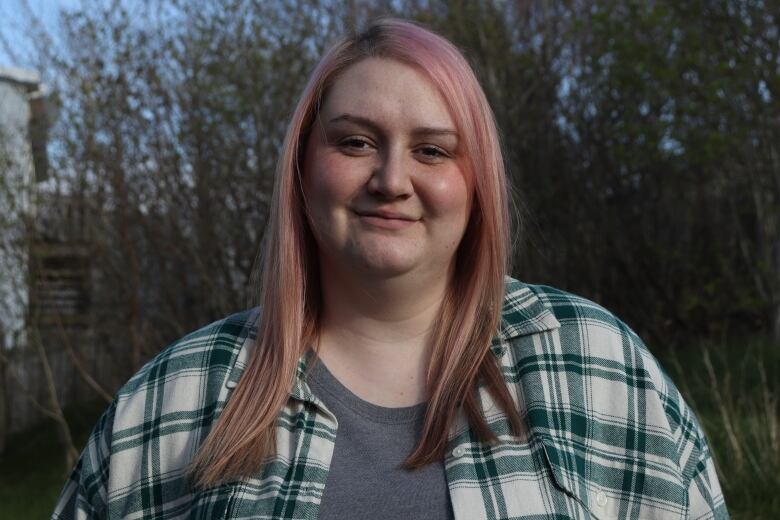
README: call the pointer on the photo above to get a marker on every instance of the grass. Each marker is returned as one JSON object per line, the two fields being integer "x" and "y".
{"x": 734, "y": 389}
{"x": 32, "y": 469}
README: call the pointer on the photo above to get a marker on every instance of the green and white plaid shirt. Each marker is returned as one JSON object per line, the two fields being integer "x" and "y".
{"x": 608, "y": 434}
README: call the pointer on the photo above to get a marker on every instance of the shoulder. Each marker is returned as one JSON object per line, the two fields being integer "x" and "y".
{"x": 602, "y": 405}
{"x": 599, "y": 360}
{"x": 207, "y": 353}
{"x": 143, "y": 444}
{"x": 573, "y": 310}
{"x": 165, "y": 411}
{"x": 580, "y": 324}
{"x": 187, "y": 382}
{"x": 586, "y": 329}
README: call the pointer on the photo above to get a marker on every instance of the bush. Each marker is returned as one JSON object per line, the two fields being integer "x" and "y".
{"x": 32, "y": 469}
{"x": 734, "y": 387}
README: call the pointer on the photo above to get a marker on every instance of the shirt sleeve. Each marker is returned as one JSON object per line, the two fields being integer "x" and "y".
{"x": 704, "y": 495}
{"x": 705, "y": 499}
{"x": 85, "y": 495}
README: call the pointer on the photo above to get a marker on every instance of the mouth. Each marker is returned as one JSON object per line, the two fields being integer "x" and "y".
{"x": 386, "y": 219}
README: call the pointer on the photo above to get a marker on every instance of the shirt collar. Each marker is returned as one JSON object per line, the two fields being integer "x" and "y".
{"x": 300, "y": 389}
{"x": 522, "y": 314}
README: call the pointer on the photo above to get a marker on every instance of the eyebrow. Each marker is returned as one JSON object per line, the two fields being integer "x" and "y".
{"x": 419, "y": 131}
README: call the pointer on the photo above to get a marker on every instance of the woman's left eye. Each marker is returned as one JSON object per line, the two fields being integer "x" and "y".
{"x": 432, "y": 151}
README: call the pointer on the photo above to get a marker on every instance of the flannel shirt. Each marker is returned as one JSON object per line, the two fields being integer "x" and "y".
{"x": 607, "y": 433}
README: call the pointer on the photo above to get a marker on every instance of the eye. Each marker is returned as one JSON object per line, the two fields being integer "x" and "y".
{"x": 432, "y": 152}
{"x": 354, "y": 144}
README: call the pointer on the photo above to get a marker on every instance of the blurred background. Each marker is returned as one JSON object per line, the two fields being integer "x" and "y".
{"x": 137, "y": 148}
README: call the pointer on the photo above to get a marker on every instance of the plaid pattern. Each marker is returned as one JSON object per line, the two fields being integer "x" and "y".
{"x": 608, "y": 435}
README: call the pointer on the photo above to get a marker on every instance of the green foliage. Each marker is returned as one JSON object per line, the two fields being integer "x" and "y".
{"x": 734, "y": 388}
{"x": 664, "y": 201}
{"x": 640, "y": 139}
{"x": 32, "y": 469}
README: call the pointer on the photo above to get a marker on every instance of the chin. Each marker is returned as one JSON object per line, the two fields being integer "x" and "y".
{"x": 384, "y": 264}
{"x": 382, "y": 270}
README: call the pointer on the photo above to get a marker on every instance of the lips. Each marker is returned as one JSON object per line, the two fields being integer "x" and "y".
{"x": 386, "y": 214}
{"x": 386, "y": 219}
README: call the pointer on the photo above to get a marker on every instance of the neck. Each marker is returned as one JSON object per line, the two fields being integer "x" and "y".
{"x": 375, "y": 334}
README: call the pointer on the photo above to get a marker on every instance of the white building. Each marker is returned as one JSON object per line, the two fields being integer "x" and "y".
{"x": 22, "y": 164}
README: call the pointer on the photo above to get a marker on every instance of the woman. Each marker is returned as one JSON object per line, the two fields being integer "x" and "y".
{"x": 395, "y": 370}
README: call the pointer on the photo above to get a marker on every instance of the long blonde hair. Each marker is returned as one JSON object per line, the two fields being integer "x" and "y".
{"x": 243, "y": 437}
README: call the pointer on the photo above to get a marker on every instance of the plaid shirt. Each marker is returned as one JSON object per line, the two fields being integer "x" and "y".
{"x": 608, "y": 434}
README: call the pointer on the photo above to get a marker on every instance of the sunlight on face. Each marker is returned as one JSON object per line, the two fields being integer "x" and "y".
{"x": 385, "y": 193}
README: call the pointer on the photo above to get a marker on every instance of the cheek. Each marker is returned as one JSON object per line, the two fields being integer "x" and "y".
{"x": 325, "y": 184}
{"x": 322, "y": 185}
{"x": 448, "y": 195}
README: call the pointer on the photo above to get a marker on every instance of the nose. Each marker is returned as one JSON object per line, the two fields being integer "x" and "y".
{"x": 391, "y": 179}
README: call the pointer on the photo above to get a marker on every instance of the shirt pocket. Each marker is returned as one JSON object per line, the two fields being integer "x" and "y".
{"x": 213, "y": 503}
{"x": 614, "y": 487}
{"x": 508, "y": 480}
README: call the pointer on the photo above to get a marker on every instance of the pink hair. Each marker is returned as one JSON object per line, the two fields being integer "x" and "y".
{"x": 243, "y": 438}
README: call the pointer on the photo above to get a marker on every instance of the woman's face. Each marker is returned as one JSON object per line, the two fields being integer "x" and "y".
{"x": 383, "y": 186}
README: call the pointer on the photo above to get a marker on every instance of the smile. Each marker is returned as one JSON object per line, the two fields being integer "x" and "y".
{"x": 386, "y": 221}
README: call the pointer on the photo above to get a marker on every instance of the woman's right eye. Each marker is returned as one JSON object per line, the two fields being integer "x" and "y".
{"x": 354, "y": 143}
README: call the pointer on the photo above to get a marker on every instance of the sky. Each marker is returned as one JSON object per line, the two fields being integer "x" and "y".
{"x": 15, "y": 16}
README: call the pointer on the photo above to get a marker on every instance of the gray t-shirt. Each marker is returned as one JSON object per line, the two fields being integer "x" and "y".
{"x": 365, "y": 478}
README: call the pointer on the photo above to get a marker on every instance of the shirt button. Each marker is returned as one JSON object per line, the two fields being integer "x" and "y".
{"x": 458, "y": 451}
{"x": 601, "y": 499}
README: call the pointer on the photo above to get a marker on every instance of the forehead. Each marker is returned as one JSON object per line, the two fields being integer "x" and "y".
{"x": 389, "y": 92}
